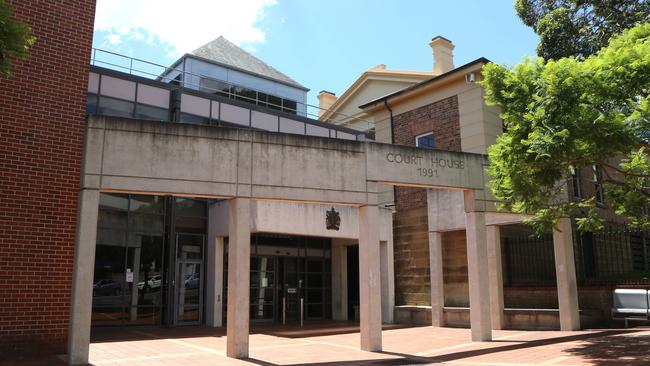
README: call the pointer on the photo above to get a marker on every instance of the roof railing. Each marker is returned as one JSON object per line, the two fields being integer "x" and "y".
{"x": 151, "y": 70}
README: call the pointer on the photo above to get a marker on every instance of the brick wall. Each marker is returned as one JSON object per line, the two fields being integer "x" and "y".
{"x": 410, "y": 223}
{"x": 442, "y": 119}
{"x": 42, "y": 119}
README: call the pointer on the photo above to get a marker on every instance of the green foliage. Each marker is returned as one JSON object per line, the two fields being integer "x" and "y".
{"x": 571, "y": 114}
{"x": 579, "y": 27}
{"x": 15, "y": 39}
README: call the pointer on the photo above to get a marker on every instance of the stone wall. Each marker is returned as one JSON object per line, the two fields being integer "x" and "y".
{"x": 410, "y": 225}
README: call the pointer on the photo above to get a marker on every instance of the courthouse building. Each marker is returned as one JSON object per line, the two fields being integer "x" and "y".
{"x": 205, "y": 195}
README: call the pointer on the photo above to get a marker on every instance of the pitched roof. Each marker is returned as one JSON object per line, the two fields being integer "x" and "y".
{"x": 222, "y": 51}
{"x": 482, "y": 60}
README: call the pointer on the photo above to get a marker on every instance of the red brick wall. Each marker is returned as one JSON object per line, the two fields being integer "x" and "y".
{"x": 42, "y": 119}
{"x": 442, "y": 119}
{"x": 410, "y": 223}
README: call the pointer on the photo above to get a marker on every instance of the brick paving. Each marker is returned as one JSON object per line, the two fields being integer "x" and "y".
{"x": 338, "y": 344}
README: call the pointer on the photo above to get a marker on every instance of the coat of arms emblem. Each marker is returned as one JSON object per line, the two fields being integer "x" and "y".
{"x": 332, "y": 220}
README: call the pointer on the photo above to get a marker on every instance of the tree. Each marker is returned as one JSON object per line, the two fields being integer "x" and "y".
{"x": 572, "y": 114}
{"x": 579, "y": 27}
{"x": 15, "y": 39}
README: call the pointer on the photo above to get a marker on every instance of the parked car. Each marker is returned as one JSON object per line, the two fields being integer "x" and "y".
{"x": 151, "y": 284}
{"x": 107, "y": 287}
{"x": 192, "y": 281}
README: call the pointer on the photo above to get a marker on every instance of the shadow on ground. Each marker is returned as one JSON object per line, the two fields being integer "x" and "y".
{"x": 627, "y": 349}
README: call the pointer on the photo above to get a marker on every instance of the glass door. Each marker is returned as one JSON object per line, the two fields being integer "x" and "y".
{"x": 262, "y": 288}
{"x": 291, "y": 289}
{"x": 188, "y": 307}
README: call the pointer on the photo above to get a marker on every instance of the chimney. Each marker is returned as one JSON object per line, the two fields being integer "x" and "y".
{"x": 443, "y": 55}
{"x": 325, "y": 101}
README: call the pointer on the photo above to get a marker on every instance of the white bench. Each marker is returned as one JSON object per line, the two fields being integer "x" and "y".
{"x": 631, "y": 305}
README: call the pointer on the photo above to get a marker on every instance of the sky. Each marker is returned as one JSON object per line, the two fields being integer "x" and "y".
{"x": 324, "y": 45}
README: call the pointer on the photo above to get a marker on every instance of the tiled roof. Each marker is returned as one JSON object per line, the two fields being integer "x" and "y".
{"x": 225, "y": 52}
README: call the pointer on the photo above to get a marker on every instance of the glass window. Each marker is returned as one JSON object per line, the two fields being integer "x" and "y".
{"x": 153, "y": 113}
{"x": 598, "y": 184}
{"x": 195, "y": 120}
{"x": 91, "y": 104}
{"x": 289, "y": 106}
{"x": 146, "y": 223}
{"x": 575, "y": 181}
{"x": 190, "y": 246}
{"x": 425, "y": 141}
{"x": 147, "y": 204}
{"x": 112, "y": 219}
{"x": 113, "y": 201}
{"x": 261, "y": 99}
{"x": 115, "y": 107}
{"x": 190, "y": 207}
{"x": 214, "y": 86}
{"x": 274, "y": 102}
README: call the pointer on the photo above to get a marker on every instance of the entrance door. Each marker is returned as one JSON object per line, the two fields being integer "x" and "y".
{"x": 188, "y": 307}
{"x": 290, "y": 289}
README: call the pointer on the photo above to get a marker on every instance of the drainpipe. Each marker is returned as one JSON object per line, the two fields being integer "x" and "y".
{"x": 392, "y": 127}
{"x": 392, "y": 141}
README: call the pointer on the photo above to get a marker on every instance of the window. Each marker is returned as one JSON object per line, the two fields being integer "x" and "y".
{"x": 575, "y": 180}
{"x": 425, "y": 141}
{"x": 598, "y": 184}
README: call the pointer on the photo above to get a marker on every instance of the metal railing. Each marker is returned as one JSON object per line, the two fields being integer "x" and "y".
{"x": 138, "y": 67}
{"x": 615, "y": 256}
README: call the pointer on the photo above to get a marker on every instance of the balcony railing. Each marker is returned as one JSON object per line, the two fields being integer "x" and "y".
{"x": 154, "y": 71}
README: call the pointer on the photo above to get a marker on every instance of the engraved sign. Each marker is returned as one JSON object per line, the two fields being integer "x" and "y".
{"x": 332, "y": 220}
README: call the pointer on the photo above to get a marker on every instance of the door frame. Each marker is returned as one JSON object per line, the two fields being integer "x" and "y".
{"x": 177, "y": 281}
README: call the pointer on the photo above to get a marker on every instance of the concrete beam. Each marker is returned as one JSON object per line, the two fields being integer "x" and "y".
{"x": 495, "y": 271}
{"x": 82, "y": 278}
{"x": 436, "y": 277}
{"x": 369, "y": 278}
{"x": 565, "y": 271}
{"x": 239, "y": 250}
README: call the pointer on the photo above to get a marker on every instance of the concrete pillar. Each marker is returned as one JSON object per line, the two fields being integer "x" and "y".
{"x": 369, "y": 278}
{"x": 339, "y": 281}
{"x": 477, "y": 268}
{"x": 436, "y": 277}
{"x": 82, "y": 277}
{"x": 239, "y": 248}
{"x": 565, "y": 271}
{"x": 495, "y": 272}
{"x": 214, "y": 281}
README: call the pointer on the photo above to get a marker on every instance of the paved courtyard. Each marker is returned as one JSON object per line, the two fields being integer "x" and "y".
{"x": 337, "y": 344}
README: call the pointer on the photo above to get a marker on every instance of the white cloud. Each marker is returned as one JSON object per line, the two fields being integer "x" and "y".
{"x": 183, "y": 25}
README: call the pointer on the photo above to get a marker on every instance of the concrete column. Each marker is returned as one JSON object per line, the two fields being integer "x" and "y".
{"x": 339, "y": 281}
{"x": 565, "y": 271}
{"x": 82, "y": 277}
{"x": 436, "y": 277}
{"x": 239, "y": 249}
{"x": 369, "y": 278}
{"x": 477, "y": 268}
{"x": 495, "y": 271}
{"x": 214, "y": 281}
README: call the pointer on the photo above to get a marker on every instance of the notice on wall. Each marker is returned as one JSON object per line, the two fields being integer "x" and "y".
{"x": 129, "y": 275}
